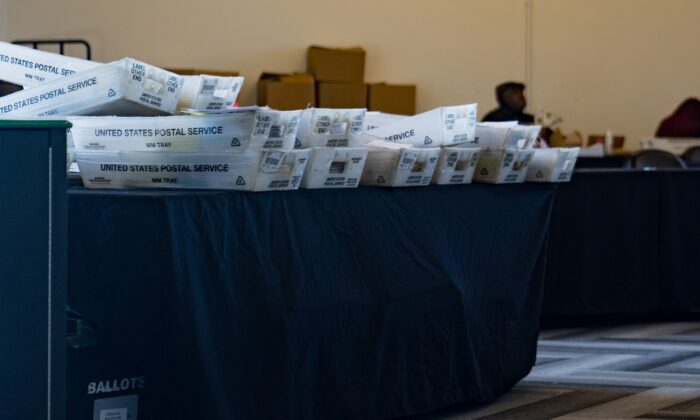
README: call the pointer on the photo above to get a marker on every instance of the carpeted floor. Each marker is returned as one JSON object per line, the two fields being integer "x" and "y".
{"x": 649, "y": 371}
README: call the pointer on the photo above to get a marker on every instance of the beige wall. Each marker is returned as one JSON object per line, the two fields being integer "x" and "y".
{"x": 618, "y": 64}
{"x": 4, "y": 30}
{"x": 615, "y": 64}
{"x": 449, "y": 48}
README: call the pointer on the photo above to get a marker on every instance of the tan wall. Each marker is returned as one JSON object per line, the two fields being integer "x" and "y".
{"x": 615, "y": 64}
{"x": 618, "y": 64}
{"x": 4, "y": 30}
{"x": 449, "y": 48}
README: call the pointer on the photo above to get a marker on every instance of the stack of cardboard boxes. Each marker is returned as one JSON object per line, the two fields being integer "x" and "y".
{"x": 334, "y": 79}
{"x": 286, "y": 91}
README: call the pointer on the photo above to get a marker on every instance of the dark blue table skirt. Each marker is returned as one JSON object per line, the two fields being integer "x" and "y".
{"x": 324, "y": 304}
{"x": 624, "y": 242}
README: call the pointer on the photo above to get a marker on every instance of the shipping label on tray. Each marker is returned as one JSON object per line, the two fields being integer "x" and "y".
{"x": 274, "y": 129}
{"x": 325, "y": 127}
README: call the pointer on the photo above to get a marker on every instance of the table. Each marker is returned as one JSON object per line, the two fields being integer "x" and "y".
{"x": 605, "y": 162}
{"x": 342, "y": 304}
{"x": 32, "y": 269}
{"x": 624, "y": 242}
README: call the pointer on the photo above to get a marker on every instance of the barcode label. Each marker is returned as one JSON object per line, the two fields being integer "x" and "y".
{"x": 452, "y": 159}
{"x": 337, "y": 168}
{"x": 407, "y": 160}
{"x": 208, "y": 86}
{"x": 272, "y": 160}
{"x": 276, "y": 131}
{"x": 337, "y": 143}
{"x": 508, "y": 160}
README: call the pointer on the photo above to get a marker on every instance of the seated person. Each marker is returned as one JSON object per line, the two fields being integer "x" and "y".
{"x": 684, "y": 122}
{"x": 511, "y": 100}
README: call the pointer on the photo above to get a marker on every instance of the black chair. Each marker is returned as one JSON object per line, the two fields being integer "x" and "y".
{"x": 61, "y": 43}
{"x": 692, "y": 156}
{"x": 9, "y": 88}
{"x": 656, "y": 159}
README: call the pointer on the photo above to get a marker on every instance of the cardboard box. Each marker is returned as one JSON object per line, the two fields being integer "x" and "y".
{"x": 552, "y": 165}
{"x": 286, "y": 91}
{"x": 326, "y": 127}
{"x": 618, "y": 141}
{"x": 249, "y": 171}
{"x": 336, "y": 64}
{"x": 197, "y": 72}
{"x": 408, "y": 167}
{"x": 212, "y": 133}
{"x": 341, "y": 95}
{"x": 339, "y": 167}
{"x": 124, "y": 87}
{"x": 559, "y": 139}
{"x": 393, "y": 99}
{"x": 503, "y": 166}
{"x": 441, "y": 126}
{"x": 29, "y": 67}
{"x": 456, "y": 165}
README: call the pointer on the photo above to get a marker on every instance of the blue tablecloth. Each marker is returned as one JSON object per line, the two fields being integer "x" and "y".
{"x": 624, "y": 243}
{"x": 325, "y": 304}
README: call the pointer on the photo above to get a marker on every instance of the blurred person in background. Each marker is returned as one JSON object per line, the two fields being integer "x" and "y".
{"x": 511, "y": 104}
{"x": 684, "y": 122}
